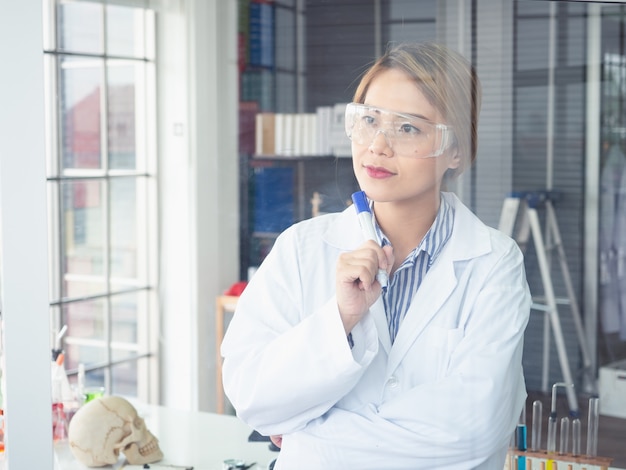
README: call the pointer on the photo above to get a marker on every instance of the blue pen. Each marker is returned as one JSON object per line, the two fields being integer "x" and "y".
{"x": 366, "y": 222}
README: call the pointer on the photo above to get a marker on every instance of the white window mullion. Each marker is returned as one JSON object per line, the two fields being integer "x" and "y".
{"x": 51, "y": 84}
{"x": 106, "y": 187}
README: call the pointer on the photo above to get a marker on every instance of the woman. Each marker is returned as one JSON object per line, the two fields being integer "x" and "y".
{"x": 424, "y": 373}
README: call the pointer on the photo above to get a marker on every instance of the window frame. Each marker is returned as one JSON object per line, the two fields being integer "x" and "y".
{"x": 142, "y": 353}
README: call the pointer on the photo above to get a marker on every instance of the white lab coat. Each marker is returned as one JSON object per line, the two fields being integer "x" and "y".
{"x": 613, "y": 243}
{"x": 446, "y": 395}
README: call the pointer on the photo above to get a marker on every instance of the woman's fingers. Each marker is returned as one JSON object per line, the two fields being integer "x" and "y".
{"x": 362, "y": 265}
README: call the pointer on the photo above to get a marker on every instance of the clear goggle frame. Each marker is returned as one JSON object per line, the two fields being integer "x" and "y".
{"x": 406, "y": 134}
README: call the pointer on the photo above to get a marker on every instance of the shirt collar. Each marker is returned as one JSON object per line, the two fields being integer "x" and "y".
{"x": 436, "y": 237}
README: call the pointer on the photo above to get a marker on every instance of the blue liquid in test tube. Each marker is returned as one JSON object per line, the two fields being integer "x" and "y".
{"x": 521, "y": 445}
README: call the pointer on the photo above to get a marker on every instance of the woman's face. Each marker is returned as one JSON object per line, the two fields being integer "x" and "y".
{"x": 387, "y": 176}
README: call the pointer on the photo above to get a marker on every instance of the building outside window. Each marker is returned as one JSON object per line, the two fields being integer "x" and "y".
{"x": 101, "y": 173}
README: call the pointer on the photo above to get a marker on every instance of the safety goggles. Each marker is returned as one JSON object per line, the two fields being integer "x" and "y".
{"x": 407, "y": 135}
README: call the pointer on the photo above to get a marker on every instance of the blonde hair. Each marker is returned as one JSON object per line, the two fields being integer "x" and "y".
{"x": 446, "y": 79}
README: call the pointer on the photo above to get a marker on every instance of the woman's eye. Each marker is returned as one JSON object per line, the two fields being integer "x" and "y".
{"x": 408, "y": 129}
{"x": 369, "y": 120}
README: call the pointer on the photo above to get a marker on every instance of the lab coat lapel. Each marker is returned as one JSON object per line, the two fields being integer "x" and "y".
{"x": 436, "y": 287}
{"x": 380, "y": 320}
{"x": 469, "y": 239}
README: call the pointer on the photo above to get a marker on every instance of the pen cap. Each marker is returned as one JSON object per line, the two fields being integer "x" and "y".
{"x": 360, "y": 202}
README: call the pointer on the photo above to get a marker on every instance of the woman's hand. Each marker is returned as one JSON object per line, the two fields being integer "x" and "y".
{"x": 356, "y": 285}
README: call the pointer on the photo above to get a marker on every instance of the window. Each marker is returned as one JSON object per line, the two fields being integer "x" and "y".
{"x": 101, "y": 173}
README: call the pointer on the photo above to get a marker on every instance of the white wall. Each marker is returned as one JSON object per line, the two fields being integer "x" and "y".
{"x": 178, "y": 383}
{"x": 23, "y": 238}
{"x": 199, "y": 190}
{"x": 214, "y": 111}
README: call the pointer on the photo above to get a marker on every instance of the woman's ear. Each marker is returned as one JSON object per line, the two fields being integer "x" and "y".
{"x": 454, "y": 159}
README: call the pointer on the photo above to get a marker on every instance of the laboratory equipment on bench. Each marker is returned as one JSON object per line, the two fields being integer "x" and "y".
{"x": 567, "y": 457}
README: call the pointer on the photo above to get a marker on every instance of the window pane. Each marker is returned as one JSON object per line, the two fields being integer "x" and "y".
{"x": 125, "y": 31}
{"x": 123, "y": 113}
{"x": 399, "y": 32}
{"x": 533, "y": 8}
{"x": 80, "y": 87}
{"x": 575, "y": 43}
{"x": 128, "y": 226}
{"x": 85, "y": 338}
{"x": 534, "y": 34}
{"x": 76, "y": 352}
{"x": 530, "y": 131}
{"x": 94, "y": 383}
{"x": 94, "y": 379}
{"x": 124, "y": 377}
{"x": 614, "y": 88}
{"x": 408, "y": 10}
{"x": 83, "y": 238}
{"x": 86, "y": 320}
{"x": 80, "y": 27}
{"x": 124, "y": 320}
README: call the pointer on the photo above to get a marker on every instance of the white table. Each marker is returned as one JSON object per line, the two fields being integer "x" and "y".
{"x": 189, "y": 439}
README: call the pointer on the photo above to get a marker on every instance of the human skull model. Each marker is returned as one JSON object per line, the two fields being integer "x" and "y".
{"x": 103, "y": 427}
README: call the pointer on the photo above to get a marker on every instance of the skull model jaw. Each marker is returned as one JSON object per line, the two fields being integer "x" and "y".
{"x": 141, "y": 446}
{"x": 104, "y": 427}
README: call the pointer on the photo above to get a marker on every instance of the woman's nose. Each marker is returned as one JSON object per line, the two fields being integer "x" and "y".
{"x": 381, "y": 144}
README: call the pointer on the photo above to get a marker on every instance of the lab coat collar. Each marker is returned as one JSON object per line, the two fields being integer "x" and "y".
{"x": 469, "y": 239}
{"x": 345, "y": 233}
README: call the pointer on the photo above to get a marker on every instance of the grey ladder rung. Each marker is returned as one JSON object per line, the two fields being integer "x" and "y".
{"x": 558, "y": 300}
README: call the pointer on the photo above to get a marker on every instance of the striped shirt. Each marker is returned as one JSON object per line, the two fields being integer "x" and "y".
{"x": 406, "y": 280}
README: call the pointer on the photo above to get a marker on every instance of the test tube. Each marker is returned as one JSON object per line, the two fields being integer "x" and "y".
{"x": 592, "y": 427}
{"x": 536, "y": 437}
{"x": 521, "y": 437}
{"x": 552, "y": 433}
{"x": 521, "y": 445}
{"x": 564, "y": 435}
{"x": 576, "y": 436}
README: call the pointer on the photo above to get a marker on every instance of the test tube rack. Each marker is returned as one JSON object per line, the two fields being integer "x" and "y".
{"x": 520, "y": 457}
{"x": 541, "y": 460}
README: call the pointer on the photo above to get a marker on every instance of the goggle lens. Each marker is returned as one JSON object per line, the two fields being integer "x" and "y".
{"x": 407, "y": 135}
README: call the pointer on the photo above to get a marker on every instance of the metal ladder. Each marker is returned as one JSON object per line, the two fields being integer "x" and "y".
{"x": 520, "y": 210}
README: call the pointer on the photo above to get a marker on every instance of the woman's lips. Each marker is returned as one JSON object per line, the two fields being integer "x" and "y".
{"x": 378, "y": 172}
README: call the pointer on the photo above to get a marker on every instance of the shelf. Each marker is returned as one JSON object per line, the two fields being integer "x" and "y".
{"x": 265, "y": 234}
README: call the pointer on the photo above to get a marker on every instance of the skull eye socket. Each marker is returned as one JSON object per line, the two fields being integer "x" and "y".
{"x": 138, "y": 422}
